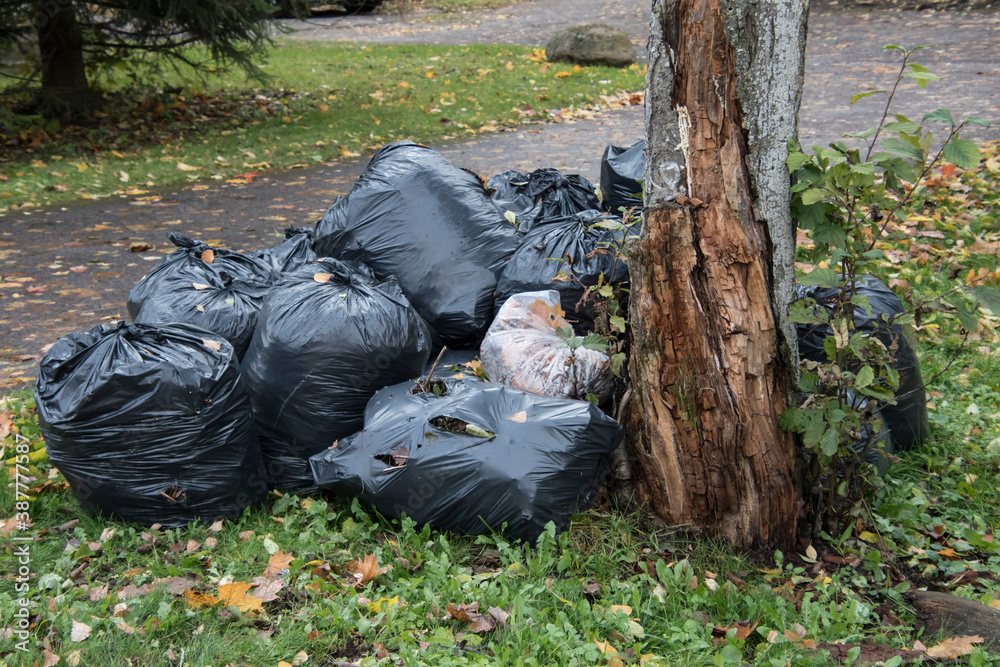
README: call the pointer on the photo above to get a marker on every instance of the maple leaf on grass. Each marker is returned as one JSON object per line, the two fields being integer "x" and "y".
{"x": 198, "y": 600}
{"x": 364, "y": 571}
{"x": 235, "y": 595}
{"x": 278, "y": 561}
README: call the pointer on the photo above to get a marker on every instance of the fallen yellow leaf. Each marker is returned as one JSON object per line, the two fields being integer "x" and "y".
{"x": 235, "y": 594}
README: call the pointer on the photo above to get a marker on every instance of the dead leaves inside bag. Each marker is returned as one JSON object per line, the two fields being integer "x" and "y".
{"x": 328, "y": 337}
{"x": 568, "y": 254}
{"x": 476, "y": 458}
{"x": 150, "y": 424}
{"x": 531, "y": 346}
{"x": 213, "y": 288}
{"x": 415, "y": 216}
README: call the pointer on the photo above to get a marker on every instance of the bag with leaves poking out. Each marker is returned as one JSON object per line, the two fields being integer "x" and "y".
{"x": 569, "y": 254}
{"x": 150, "y": 424}
{"x": 531, "y": 346}
{"x": 473, "y": 457}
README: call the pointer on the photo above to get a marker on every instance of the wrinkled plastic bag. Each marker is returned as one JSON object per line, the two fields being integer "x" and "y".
{"x": 622, "y": 169}
{"x": 541, "y": 195}
{"x": 415, "y": 216}
{"x": 452, "y": 364}
{"x": 907, "y": 420}
{"x": 569, "y": 255}
{"x": 531, "y": 346}
{"x": 474, "y": 459}
{"x": 150, "y": 424}
{"x": 326, "y": 340}
{"x": 216, "y": 289}
{"x": 295, "y": 251}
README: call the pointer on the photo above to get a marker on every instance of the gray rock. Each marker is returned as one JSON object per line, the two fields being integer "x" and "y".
{"x": 592, "y": 44}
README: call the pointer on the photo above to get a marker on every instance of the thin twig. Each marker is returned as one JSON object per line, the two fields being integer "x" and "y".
{"x": 426, "y": 386}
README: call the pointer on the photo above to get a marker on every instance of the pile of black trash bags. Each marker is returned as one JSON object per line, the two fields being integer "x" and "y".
{"x": 315, "y": 364}
{"x": 307, "y": 365}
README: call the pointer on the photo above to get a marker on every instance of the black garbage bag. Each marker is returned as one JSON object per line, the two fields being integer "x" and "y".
{"x": 216, "y": 289}
{"x": 150, "y": 424}
{"x": 477, "y": 458}
{"x": 907, "y": 420}
{"x": 541, "y": 195}
{"x": 452, "y": 364}
{"x": 326, "y": 340}
{"x": 587, "y": 251}
{"x": 622, "y": 169}
{"x": 415, "y": 216}
{"x": 290, "y": 255}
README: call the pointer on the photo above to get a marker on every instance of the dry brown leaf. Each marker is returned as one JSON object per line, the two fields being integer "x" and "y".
{"x": 322, "y": 277}
{"x": 198, "y": 600}
{"x": 300, "y": 658}
{"x": 98, "y": 593}
{"x": 216, "y": 527}
{"x": 5, "y": 423}
{"x": 192, "y": 546}
{"x": 235, "y": 594}
{"x": 199, "y": 286}
{"x": 123, "y": 625}
{"x": 245, "y": 535}
{"x": 518, "y": 417}
{"x": 187, "y": 167}
{"x": 51, "y": 659}
{"x": 463, "y": 612}
{"x": 211, "y": 542}
{"x": 267, "y": 590}
{"x": 365, "y": 571}
{"x": 81, "y": 631}
{"x": 212, "y": 344}
{"x": 8, "y": 525}
{"x": 610, "y": 652}
{"x": 743, "y": 629}
{"x": 954, "y": 647}
{"x": 208, "y": 256}
{"x": 276, "y": 563}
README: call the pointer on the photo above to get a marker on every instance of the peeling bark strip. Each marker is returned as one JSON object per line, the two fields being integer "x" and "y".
{"x": 709, "y": 382}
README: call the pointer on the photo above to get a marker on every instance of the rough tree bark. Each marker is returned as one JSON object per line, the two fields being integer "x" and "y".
{"x": 711, "y": 356}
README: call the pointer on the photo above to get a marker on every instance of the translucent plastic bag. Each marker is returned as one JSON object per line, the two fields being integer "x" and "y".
{"x": 531, "y": 346}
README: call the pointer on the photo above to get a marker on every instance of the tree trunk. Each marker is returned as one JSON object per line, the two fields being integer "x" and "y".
{"x": 60, "y": 45}
{"x": 711, "y": 368}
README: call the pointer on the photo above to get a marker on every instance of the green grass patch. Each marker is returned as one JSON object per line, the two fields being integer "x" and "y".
{"x": 324, "y": 101}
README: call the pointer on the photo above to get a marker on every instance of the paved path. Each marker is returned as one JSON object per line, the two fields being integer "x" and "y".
{"x": 71, "y": 267}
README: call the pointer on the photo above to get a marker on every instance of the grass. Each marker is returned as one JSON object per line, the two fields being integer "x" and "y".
{"x": 325, "y": 101}
{"x": 614, "y": 582}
